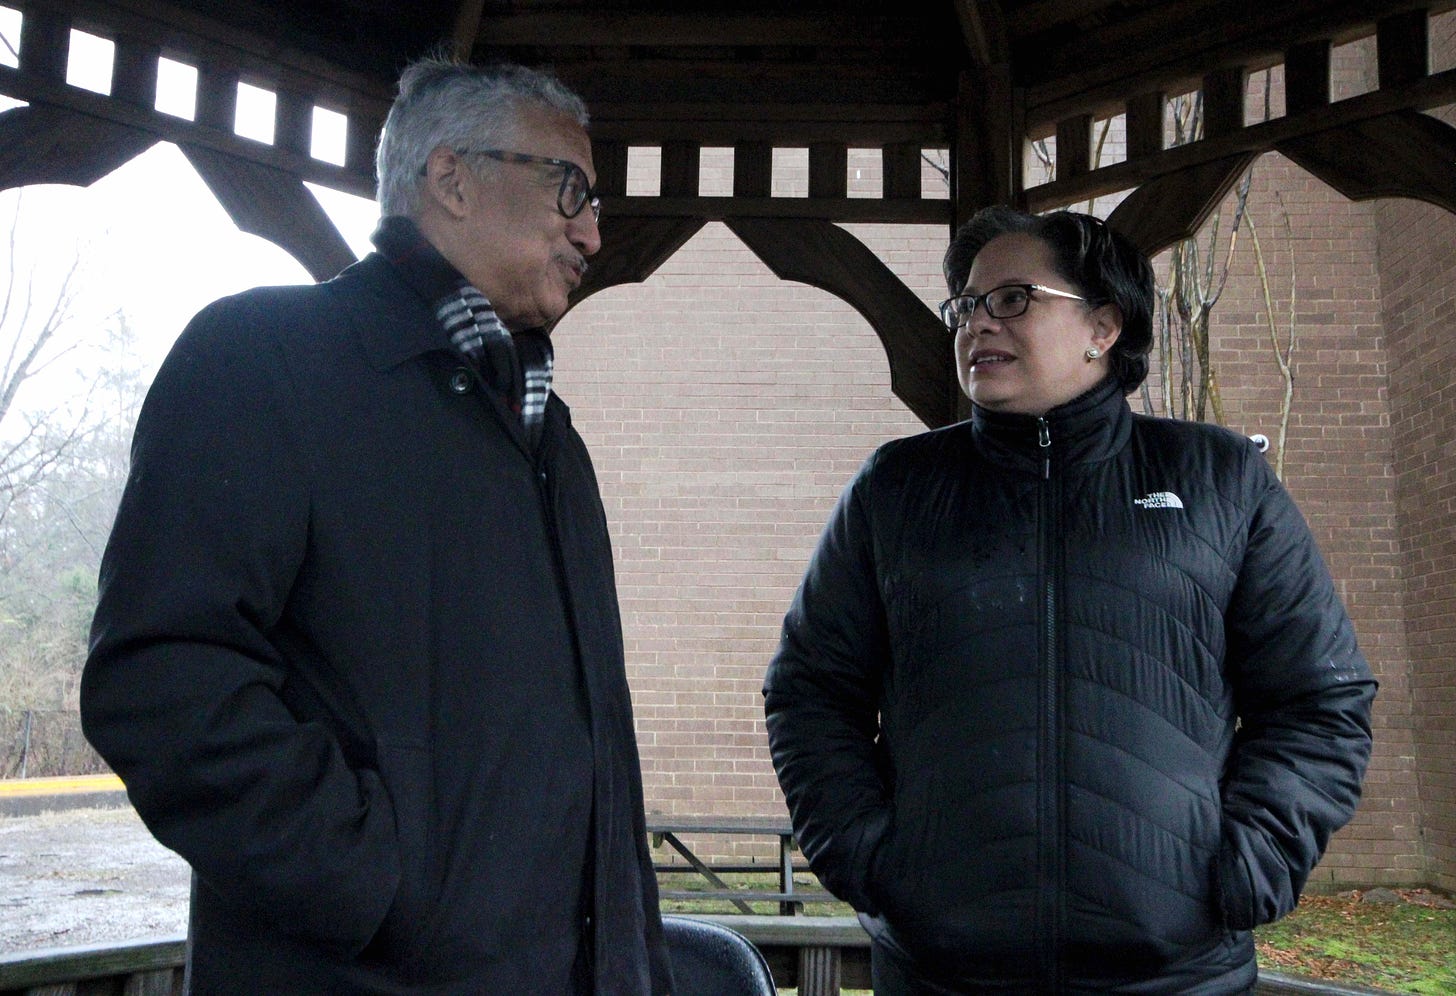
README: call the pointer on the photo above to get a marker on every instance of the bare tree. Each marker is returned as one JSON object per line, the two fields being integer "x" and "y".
{"x": 32, "y": 442}
{"x": 62, "y": 464}
{"x": 1283, "y": 352}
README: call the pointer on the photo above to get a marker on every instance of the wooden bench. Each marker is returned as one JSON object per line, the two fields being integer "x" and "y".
{"x": 670, "y": 830}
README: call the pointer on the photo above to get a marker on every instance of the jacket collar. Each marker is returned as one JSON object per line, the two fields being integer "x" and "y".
{"x": 393, "y": 321}
{"x": 1092, "y": 426}
{"x": 395, "y": 324}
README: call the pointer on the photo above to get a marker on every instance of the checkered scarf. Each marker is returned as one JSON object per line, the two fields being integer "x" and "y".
{"x": 518, "y": 366}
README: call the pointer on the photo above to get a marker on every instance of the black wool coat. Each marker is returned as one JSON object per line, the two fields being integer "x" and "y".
{"x": 358, "y": 658}
{"x": 1069, "y": 703}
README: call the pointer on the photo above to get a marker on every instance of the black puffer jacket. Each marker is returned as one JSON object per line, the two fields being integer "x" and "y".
{"x": 1070, "y": 702}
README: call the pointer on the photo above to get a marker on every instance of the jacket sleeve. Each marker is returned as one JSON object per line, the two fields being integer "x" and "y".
{"x": 182, "y": 689}
{"x": 821, "y": 698}
{"x": 1303, "y": 692}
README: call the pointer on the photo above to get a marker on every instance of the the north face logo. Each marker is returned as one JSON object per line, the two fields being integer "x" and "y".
{"x": 1159, "y": 499}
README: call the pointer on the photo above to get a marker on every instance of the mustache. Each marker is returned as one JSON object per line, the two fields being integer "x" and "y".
{"x": 574, "y": 260}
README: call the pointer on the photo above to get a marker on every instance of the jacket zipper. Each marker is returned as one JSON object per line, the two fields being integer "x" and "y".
{"x": 1049, "y": 795}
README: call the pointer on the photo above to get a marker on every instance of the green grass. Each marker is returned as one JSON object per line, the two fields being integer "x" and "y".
{"x": 1404, "y": 947}
{"x": 1407, "y": 947}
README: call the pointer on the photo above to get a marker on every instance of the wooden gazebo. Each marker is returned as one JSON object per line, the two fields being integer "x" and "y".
{"x": 975, "y": 78}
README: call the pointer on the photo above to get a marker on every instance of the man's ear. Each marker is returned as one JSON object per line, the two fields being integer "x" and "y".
{"x": 1106, "y": 325}
{"x": 445, "y": 181}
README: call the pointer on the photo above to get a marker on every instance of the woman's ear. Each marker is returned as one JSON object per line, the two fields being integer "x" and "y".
{"x": 1106, "y": 325}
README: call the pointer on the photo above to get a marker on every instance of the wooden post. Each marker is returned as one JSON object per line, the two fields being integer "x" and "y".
{"x": 45, "y": 44}
{"x": 752, "y": 169}
{"x": 134, "y": 72}
{"x": 1144, "y": 125}
{"x": 1074, "y": 146}
{"x": 818, "y": 971}
{"x": 828, "y": 169}
{"x": 1401, "y": 47}
{"x": 1307, "y": 77}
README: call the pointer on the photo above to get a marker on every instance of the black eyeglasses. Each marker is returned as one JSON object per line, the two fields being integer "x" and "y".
{"x": 1006, "y": 301}
{"x": 575, "y": 193}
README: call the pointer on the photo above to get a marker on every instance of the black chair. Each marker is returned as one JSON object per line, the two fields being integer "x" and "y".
{"x": 709, "y": 959}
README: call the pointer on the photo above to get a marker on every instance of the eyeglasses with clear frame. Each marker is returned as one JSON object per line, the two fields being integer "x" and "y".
{"x": 1006, "y": 301}
{"x": 575, "y": 192}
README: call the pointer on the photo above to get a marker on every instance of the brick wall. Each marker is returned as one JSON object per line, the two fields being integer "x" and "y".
{"x": 1417, "y": 250}
{"x": 725, "y": 411}
{"x": 1323, "y": 276}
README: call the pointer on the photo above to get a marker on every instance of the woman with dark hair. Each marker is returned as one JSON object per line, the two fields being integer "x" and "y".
{"x": 1066, "y": 701}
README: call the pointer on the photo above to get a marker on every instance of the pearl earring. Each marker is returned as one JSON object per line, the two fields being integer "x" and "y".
{"x": 1092, "y": 353}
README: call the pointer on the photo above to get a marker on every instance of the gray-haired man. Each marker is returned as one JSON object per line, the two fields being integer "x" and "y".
{"x": 358, "y": 655}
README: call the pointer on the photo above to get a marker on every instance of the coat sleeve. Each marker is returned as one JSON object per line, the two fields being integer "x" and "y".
{"x": 821, "y": 699}
{"x": 1303, "y": 692}
{"x": 182, "y": 689}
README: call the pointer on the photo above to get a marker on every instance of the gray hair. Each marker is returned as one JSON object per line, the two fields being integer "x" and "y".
{"x": 442, "y": 102}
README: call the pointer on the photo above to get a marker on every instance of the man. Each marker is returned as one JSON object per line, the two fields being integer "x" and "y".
{"x": 357, "y": 654}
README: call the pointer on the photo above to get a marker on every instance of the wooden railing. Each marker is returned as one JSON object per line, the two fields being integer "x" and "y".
{"x": 819, "y": 955}
{"x": 137, "y": 968}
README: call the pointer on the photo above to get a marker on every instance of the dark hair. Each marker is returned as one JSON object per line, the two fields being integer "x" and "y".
{"x": 1099, "y": 263}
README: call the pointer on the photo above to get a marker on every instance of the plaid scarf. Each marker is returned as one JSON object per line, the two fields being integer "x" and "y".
{"x": 518, "y": 366}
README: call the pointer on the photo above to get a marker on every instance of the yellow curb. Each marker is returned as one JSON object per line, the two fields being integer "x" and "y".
{"x": 62, "y": 785}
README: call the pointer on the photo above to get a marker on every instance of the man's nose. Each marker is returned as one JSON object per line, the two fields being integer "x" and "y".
{"x": 584, "y": 232}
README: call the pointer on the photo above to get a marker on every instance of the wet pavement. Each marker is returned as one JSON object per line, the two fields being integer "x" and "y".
{"x": 86, "y": 876}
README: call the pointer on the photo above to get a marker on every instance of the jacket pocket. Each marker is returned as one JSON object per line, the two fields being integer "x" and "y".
{"x": 404, "y": 936}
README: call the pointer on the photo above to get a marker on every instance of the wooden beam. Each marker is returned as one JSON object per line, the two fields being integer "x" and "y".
{"x": 203, "y": 40}
{"x": 1435, "y": 90}
{"x": 1173, "y": 207}
{"x": 824, "y": 255}
{"x": 1150, "y": 58}
{"x": 274, "y": 205}
{"x": 647, "y": 129}
{"x": 985, "y": 164}
{"x": 984, "y": 30}
{"x": 924, "y": 211}
{"x": 357, "y": 178}
{"x": 611, "y": 29}
{"x": 466, "y": 28}
{"x": 42, "y": 144}
{"x": 1404, "y": 154}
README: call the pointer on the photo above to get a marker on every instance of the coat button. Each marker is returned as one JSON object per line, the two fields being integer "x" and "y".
{"x": 460, "y": 381}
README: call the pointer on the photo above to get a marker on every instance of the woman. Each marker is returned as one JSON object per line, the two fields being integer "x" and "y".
{"x": 1066, "y": 701}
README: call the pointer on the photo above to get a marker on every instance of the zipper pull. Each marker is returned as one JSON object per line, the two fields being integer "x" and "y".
{"x": 1044, "y": 440}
